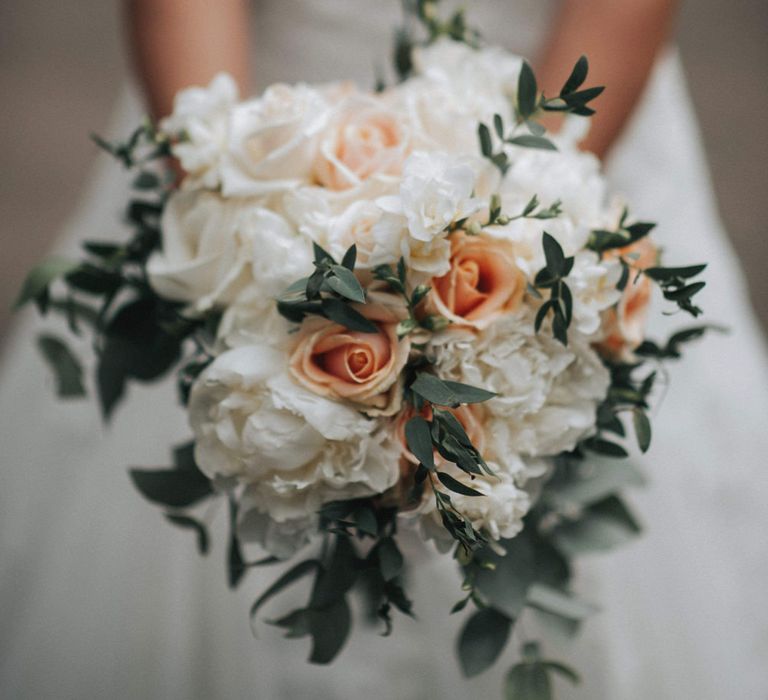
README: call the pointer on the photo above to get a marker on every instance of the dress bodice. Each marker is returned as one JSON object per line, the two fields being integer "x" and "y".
{"x": 324, "y": 40}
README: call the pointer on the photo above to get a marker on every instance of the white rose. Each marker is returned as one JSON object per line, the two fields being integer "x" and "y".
{"x": 214, "y": 248}
{"x": 364, "y": 139}
{"x": 272, "y": 140}
{"x": 202, "y": 260}
{"x": 199, "y": 122}
{"x": 547, "y": 393}
{"x": 293, "y": 449}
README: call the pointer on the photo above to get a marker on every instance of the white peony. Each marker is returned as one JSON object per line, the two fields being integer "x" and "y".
{"x": 293, "y": 450}
{"x": 499, "y": 512}
{"x": 547, "y": 393}
{"x": 199, "y": 125}
{"x": 568, "y": 175}
{"x": 213, "y": 248}
{"x": 272, "y": 140}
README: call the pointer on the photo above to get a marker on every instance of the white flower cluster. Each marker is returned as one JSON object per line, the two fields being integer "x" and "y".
{"x": 293, "y": 420}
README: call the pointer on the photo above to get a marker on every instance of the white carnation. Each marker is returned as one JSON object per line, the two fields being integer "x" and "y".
{"x": 436, "y": 191}
{"x": 592, "y": 282}
{"x": 199, "y": 122}
{"x": 293, "y": 449}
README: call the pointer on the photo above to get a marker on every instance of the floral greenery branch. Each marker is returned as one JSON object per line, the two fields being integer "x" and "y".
{"x": 398, "y": 283}
{"x": 329, "y": 292}
{"x": 138, "y": 336}
{"x": 445, "y": 434}
{"x": 532, "y": 210}
{"x": 425, "y": 13}
{"x": 552, "y": 277}
{"x": 528, "y": 106}
{"x": 672, "y": 280}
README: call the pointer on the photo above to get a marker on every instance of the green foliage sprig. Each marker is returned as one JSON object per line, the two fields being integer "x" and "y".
{"x": 602, "y": 240}
{"x": 398, "y": 283}
{"x": 425, "y": 13}
{"x": 532, "y": 210}
{"x": 552, "y": 277}
{"x": 529, "y": 105}
{"x": 329, "y": 292}
{"x": 137, "y": 335}
{"x": 444, "y": 434}
{"x": 675, "y": 285}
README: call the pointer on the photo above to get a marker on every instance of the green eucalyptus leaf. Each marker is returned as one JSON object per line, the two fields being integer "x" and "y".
{"x": 456, "y": 486}
{"x": 40, "y": 276}
{"x": 602, "y": 526}
{"x": 321, "y": 255}
{"x": 642, "y": 429}
{"x": 577, "y": 77}
{"x": 528, "y": 681}
{"x": 532, "y": 141}
{"x": 333, "y": 581}
{"x": 66, "y": 367}
{"x": 434, "y": 390}
{"x": 188, "y": 523}
{"x": 293, "y": 574}
{"x": 559, "y": 603}
{"x": 484, "y": 135}
{"x": 329, "y": 629}
{"x": 467, "y": 393}
{"x": 605, "y": 447}
{"x": 527, "y": 91}
{"x": 419, "y": 441}
{"x": 592, "y": 481}
{"x": 482, "y": 640}
{"x": 350, "y": 258}
{"x": 662, "y": 274}
{"x": 554, "y": 255}
{"x": 562, "y": 670}
{"x": 498, "y": 126}
{"x": 390, "y": 559}
{"x": 343, "y": 282}
{"x": 146, "y": 180}
{"x": 365, "y": 520}
{"x": 338, "y": 311}
{"x": 175, "y": 488}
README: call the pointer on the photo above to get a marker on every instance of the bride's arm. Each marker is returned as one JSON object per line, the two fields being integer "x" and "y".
{"x": 621, "y": 39}
{"x": 178, "y": 43}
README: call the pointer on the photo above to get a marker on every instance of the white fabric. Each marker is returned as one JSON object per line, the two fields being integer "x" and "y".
{"x": 99, "y": 597}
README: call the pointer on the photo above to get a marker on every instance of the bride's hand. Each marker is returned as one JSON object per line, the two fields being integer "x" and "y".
{"x": 178, "y": 43}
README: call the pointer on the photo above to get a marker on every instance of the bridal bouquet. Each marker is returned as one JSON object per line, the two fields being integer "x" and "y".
{"x": 409, "y": 308}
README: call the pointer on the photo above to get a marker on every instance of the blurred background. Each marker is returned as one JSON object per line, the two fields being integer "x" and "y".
{"x": 62, "y": 65}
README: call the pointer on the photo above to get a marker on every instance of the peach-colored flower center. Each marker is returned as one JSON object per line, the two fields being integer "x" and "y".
{"x": 352, "y": 356}
{"x": 481, "y": 281}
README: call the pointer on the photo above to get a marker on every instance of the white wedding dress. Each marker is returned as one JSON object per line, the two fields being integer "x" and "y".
{"x": 101, "y": 598}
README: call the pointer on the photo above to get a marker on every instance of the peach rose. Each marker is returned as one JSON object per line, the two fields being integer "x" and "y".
{"x": 365, "y": 139}
{"x": 483, "y": 283}
{"x": 362, "y": 368}
{"x": 624, "y": 324}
